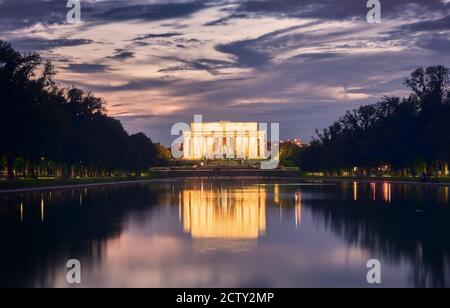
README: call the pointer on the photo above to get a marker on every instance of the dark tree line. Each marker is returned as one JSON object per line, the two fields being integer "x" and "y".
{"x": 53, "y": 131}
{"x": 408, "y": 136}
{"x": 289, "y": 154}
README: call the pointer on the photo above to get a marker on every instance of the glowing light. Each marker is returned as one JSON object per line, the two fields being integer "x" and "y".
{"x": 225, "y": 214}
{"x": 373, "y": 189}
{"x": 180, "y": 213}
{"x": 21, "y": 212}
{"x": 42, "y": 209}
{"x": 355, "y": 191}
{"x": 387, "y": 192}
{"x": 276, "y": 194}
{"x": 297, "y": 141}
{"x": 298, "y": 209}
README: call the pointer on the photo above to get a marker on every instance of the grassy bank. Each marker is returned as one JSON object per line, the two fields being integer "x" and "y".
{"x": 385, "y": 178}
{"x": 57, "y": 182}
{"x": 50, "y": 182}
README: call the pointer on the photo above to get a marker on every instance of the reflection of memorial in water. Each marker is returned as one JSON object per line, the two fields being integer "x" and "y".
{"x": 445, "y": 197}
{"x": 230, "y": 219}
{"x": 298, "y": 209}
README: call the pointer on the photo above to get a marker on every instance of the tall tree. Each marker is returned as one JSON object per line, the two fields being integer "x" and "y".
{"x": 23, "y": 79}
{"x": 68, "y": 127}
{"x": 402, "y": 133}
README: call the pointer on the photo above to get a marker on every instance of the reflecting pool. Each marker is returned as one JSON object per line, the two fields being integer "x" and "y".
{"x": 228, "y": 233}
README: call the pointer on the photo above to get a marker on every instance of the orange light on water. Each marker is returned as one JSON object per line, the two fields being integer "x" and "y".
{"x": 298, "y": 209}
{"x": 226, "y": 214}
{"x": 179, "y": 207}
{"x": 42, "y": 209}
{"x": 387, "y": 192}
{"x": 277, "y": 194}
{"x": 373, "y": 189}
{"x": 21, "y": 212}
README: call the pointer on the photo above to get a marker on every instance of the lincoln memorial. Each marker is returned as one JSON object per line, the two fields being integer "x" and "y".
{"x": 225, "y": 140}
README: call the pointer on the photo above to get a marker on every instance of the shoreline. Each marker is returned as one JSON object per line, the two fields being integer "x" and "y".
{"x": 80, "y": 186}
{"x": 92, "y": 183}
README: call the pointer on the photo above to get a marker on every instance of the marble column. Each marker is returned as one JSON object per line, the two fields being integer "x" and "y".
{"x": 187, "y": 147}
{"x": 253, "y": 147}
{"x": 210, "y": 148}
{"x": 204, "y": 147}
{"x": 197, "y": 147}
{"x": 245, "y": 146}
{"x": 230, "y": 147}
{"x": 218, "y": 146}
{"x": 262, "y": 147}
{"x": 239, "y": 146}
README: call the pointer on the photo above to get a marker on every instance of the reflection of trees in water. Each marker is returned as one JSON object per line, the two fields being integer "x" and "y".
{"x": 76, "y": 224}
{"x": 397, "y": 230}
{"x": 33, "y": 253}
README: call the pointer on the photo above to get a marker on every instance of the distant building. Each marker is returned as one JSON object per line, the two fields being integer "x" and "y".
{"x": 225, "y": 140}
{"x": 297, "y": 141}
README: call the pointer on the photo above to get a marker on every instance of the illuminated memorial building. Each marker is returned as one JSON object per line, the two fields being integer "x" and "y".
{"x": 225, "y": 140}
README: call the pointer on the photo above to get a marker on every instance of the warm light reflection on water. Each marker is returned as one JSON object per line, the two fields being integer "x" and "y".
{"x": 387, "y": 192}
{"x": 222, "y": 213}
{"x": 298, "y": 209}
{"x": 21, "y": 212}
{"x": 277, "y": 193}
{"x": 42, "y": 209}
{"x": 373, "y": 191}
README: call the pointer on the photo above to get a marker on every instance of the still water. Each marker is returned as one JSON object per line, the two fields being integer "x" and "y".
{"x": 229, "y": 233}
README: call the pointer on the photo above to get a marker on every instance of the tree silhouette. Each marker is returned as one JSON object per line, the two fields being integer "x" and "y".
{"x": 68, "y": 129}
{"x": 406, "y": 136}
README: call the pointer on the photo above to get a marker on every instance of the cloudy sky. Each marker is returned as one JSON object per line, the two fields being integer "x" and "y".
{"x": 301, "y": 63}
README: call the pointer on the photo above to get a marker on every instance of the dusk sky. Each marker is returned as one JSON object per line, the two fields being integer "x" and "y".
{"x": 301, "y": 63}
